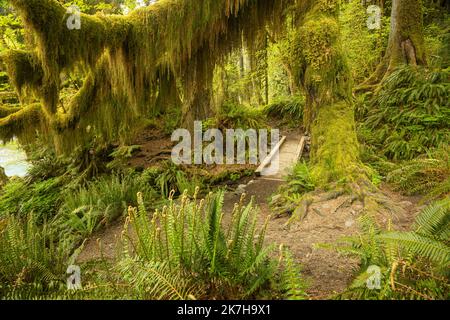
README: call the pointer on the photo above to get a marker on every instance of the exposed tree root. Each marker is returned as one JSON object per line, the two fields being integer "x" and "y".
{"x": 372, "y": 199}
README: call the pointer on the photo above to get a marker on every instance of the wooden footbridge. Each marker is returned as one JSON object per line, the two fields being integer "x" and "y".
{"x": 287, "y": 152}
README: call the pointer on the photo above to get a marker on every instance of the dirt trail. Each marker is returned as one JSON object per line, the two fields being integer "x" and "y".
{"x": 326, "y": 272}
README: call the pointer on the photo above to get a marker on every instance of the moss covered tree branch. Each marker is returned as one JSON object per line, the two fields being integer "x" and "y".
{"x": 22, "y": 123}
{"x": 133, "y": 54}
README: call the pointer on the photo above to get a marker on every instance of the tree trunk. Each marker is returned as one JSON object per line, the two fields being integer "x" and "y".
{"x": 168, "y": 95}
{"x": 266, "y": 69}
{"x": 326, "y": 80}
{"x": 197, "y": 102}
{"x": 406, "y": 41}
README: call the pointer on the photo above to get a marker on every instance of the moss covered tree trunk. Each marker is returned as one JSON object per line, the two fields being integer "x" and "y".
{"x": 197, "y": 103}
{"x": 168, "y": 95}
{"x": 406, "y": 41}
{"x": 197, "y": 107}
{"x": 326, "y": 79}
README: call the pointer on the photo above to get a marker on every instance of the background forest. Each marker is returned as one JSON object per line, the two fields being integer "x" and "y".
{"x": 100, "y": 163}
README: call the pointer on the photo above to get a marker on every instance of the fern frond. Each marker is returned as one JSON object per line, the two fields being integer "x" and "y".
{"x": 434, "y": 219}
{"x": 418, "y": 245}
{"x": 292, "y": 282}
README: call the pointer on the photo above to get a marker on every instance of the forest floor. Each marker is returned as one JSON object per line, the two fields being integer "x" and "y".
{"x": 326, "y": 272}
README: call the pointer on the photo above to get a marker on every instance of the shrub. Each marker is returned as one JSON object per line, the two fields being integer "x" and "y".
{"x": 186, "y": 251}
{"x": 410, "y": 115}
{"x": 32, "y": 263}
{"x": 100, "y": 202}
{"x": 413, "y": 265}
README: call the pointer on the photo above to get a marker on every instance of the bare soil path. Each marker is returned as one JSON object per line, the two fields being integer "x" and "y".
{"x": 325, "y": 271}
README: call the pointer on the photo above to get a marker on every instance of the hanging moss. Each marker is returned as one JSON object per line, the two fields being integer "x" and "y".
{"x": 322, "y": 67}
{"x": 139, "y": 62}
{"x": 129, "y": 59}
{"x": 23, "y": 124}
{"x": 24, "y": 71}
{"x": 59, "y": 48}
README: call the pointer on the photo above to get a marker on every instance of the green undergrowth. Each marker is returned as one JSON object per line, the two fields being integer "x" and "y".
{"x": 288, "y": 109}
{"x": 232, "y": 116}
{"x": 404, "y": 130}
{"x": 189, "y": 246}
{"x": 169, "y": 178}
{"x": 183, "y": 251}
{"x": 412, "y": 264}
{"x": 19, "y": 197}
{"x": 100, "y": 202}
{"x": 408, "y": 116}
{"x": 428, "y": 175}
{"x": 298, "y": 183}
{"x": 32, "y": 259}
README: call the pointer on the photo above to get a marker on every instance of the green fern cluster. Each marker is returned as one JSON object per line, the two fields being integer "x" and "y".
{"x": 154, "y": 280}
{"x": 121, "y": 155}
{"x": 409, "y": 115}
{"x": 31, "y": 261}
{"x": 79, "y": 167}
{"x": 299, "y": 182}
{"x": 20, "y": 197}
{"x": 45, "y": 163}
{"x": 232, "y": 116}
{"x": 172, "y": 177}
{"x": 289, "y": 108}
{"x": 300, "y": 179}
{"x": 427, "y": 176}
{"x": 188, "y": 251}
{"x": 99, "y": 202}
{"x": 413, "y": 265}
{"x": 291, "y": 280}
